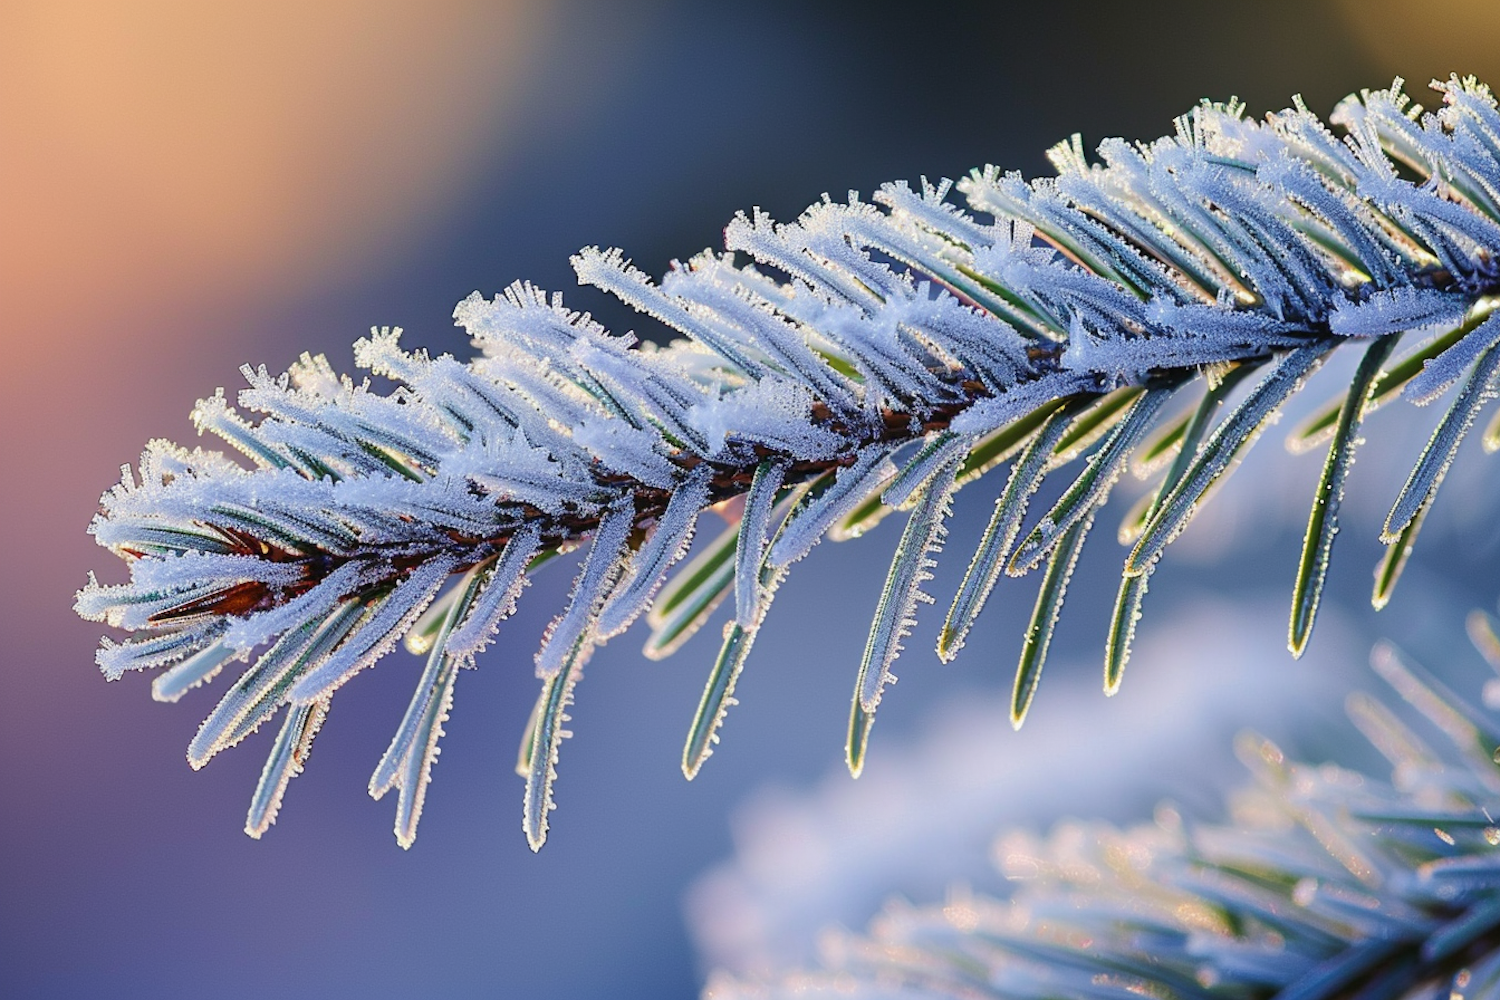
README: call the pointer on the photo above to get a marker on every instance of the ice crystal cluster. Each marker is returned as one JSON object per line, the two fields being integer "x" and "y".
{"x": 1326, "y": 883}
{"x": 871, "y": 356}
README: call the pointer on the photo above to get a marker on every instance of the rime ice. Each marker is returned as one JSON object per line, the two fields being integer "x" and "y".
{"x": 813, "y": 352}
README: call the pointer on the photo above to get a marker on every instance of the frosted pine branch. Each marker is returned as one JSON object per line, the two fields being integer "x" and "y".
{"x": 869, "y": 356}
{"x": 1327, "y": 883}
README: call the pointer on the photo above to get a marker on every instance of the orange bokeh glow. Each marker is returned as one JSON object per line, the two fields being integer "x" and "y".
{"x": 154, "y": 150}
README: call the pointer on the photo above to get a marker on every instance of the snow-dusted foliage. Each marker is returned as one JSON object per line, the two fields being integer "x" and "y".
{"x": 1326, "y": 883}
{"x": 871, "y": 355}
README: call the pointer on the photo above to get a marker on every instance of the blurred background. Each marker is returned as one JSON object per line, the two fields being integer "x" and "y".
{"x": 186, "y": 187}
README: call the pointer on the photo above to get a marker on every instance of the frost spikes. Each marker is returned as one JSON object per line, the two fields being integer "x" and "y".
{"x": 1322, "y": 522}
{"x": 895, "y": 613}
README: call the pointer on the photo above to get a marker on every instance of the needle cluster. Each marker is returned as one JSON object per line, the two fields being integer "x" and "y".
{"x": 871, "y": 356}
{"x": 1326, "y": 883}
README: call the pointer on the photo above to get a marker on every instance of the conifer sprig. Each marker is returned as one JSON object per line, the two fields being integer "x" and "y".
{"x": 1326, "y": 883}
{"x": 866, "y": 358}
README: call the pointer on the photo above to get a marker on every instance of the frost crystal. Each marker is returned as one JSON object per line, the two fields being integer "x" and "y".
{"x": 1326, "y": 883}
{"x": 956, "y": 327}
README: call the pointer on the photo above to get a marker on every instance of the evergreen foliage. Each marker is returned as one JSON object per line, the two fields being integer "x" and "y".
{"x": 869, "y": 357}
{"x": 1326, "y": 883}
